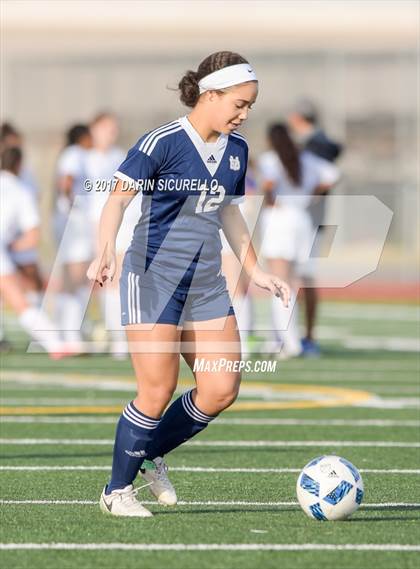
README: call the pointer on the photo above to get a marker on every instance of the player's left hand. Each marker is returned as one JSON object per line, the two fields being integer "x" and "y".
{"x": 274, "y": 284}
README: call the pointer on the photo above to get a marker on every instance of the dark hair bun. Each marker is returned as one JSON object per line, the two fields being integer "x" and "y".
{"x": 189, "y": 89}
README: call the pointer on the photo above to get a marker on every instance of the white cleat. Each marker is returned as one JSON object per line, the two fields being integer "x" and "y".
{"x": 123, "y": 502}
{"x": 160, "y": 485}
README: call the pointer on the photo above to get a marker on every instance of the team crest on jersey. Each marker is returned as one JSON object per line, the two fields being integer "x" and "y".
{"x": 234, "y": 162}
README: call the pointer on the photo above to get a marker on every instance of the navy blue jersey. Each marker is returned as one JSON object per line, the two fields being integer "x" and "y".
{"x": 185, "y": 182}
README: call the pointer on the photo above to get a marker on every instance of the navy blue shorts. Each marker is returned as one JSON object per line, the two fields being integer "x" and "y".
{"x": 159, "y": 304}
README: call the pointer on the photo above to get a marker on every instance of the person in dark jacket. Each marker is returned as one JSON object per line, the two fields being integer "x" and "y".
{"x": 303, "y": 120}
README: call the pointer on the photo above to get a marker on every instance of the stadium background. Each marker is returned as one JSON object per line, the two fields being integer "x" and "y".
{"x": 62, "y": 62}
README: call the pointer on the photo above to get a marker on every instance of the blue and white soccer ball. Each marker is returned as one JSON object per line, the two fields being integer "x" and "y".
{"x": 329, "y": 488}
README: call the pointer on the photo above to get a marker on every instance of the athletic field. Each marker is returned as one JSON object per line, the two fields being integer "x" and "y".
{"x": 235, "y": 481}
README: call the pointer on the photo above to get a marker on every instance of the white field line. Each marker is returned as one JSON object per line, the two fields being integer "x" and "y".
{"x": 97, "y": 442}
{"x": 378, "y": 312}
{"x": 36, "y": 419}
{"x": 381, "y": 343}
{"x": 291, "y": 504}
{"x": 340, "y": 310}
{"x": 319, "y": 422}
{"x": 346, "y": 338}
{"x": 319, "y": 365}
{"x": 376, "y": 402}
{"x": 68, "y": 381}
{"x": 80, "y": 381}
{"x": 395, "y": 390}
{"x": 345, "y": 375}
{"x": 239, "y": 422}
{"x": 335, "y": 378}
{"x": 391, "y": 402}
{"x": 370, "y": 316}
{"x": 385, "y": 444}
{"x": 35, "y": 401}
{"x": 247, "y": 395}
{"x": 288, "y": 376}
{"x": 200, "y": 469}
{"x": 210, "y": 547}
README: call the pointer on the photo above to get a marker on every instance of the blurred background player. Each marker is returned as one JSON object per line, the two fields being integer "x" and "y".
{"x": 237, "y": 281}
{"x": 290, "y": 178}
{"x": 19, "y": 232}
{"x": 10, "y": 137}
{"x": 303, "y": 121}
{"x": 26, "y": 261}
{"x": 102, "y": 162}
{"x": 74, "y": 234}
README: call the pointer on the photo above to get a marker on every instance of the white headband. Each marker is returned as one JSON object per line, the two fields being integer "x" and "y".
{"x": 227, "y": 77}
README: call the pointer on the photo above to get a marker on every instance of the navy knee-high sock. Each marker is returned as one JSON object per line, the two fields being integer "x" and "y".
{"x": 134, "y": 433}
{"x": 182, "y": 421}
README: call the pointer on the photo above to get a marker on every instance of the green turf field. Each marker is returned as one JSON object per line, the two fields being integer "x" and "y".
{"x": 235, "y": 481}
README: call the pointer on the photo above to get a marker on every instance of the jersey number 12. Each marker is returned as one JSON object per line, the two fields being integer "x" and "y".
{"x": 211, "y": 204}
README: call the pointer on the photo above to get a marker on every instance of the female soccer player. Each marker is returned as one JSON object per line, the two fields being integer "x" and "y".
{"x": 26, "y": 262}
{"x": 237, "y": 281}
{"x": 290, "y": 181}
{"x": 102, "y": 161}
{"x": 74, "y": 235}
{"x": 174, "y": 298}
{"x": 19, "y": 231}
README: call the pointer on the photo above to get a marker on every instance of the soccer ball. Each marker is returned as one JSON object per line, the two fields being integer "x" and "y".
{"x": 329, "y": 488}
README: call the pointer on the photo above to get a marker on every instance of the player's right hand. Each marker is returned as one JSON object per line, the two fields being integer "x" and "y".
{"x": 102, "y": 268}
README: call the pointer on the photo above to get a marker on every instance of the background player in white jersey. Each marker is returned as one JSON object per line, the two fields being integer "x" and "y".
{"x": 74, "y": 233}
{"x": 303, "y": 121}
{"x": 19, "y": 232}
{"x": 290, "y": 179}
{"x": 237, "y": 280}
{"x": 102, "y": 161}
{"x": 10, "y": 137}
{"x": 26, "y": 261}
{"x": 174, "y": 298}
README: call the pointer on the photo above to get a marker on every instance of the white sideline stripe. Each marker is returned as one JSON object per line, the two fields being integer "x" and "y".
{"x": 315, "y": 376}
{"x": 7, "y": 468}
{"x": 290, "y": 375}
{"x": 384, "y": 402}
{"x": 385, "y": 444}
{"x": 212, "y": 546}
{"x": 97, "y": 442}
{"x": 33, "y": 419}
{"x": 34, "y": 401}
{"x": 243, "y": 421}
{"x": 197, "y": 503}
{"x": 382, "y": 343}
{"x": 390, "y": 402}
{"x": 320, "y": 422}
{"x": 56, "y": 442}
{"x": 371, "y": 313}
